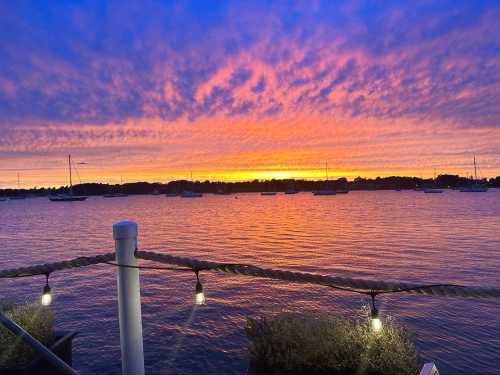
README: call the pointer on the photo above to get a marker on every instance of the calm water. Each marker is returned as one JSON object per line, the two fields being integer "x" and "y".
{"x": 408, "y": 236}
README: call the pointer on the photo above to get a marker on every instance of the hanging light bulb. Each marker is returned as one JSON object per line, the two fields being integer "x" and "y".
{"x": 376, "y": 323}
{"x": 46, "y": 299}
{"x": 199, "y": 296}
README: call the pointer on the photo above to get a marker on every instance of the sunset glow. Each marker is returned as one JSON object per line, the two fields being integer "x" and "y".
{"x": 247, "y": 90}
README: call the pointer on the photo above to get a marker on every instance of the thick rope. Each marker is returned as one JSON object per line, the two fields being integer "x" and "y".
{"x": 46, "y": 268}
{"x": 249, "y": 270}
{"x": 300, "y": 277}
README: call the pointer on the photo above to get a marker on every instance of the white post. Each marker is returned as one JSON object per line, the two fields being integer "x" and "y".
{"x": 129, "y": 298}
{"x": 429, "y": 369}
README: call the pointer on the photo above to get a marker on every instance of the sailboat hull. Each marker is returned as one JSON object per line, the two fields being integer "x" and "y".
{"x": 67, "y": 199}
{"x": 479, "y": 189}
{"x": 191, "y": 194}
{"x": 433, "y": 191}
{"x": 325, "y": 192}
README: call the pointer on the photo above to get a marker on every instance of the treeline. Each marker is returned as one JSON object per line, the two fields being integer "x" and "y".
{"x": 359, "y": 183}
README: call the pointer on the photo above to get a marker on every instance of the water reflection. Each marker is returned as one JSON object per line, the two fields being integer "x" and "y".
{"x": 403, "y": 236}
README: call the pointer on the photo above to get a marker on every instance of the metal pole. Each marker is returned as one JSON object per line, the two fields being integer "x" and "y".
{"x": 36, "y": 345}
{"x": 129, "y": 299}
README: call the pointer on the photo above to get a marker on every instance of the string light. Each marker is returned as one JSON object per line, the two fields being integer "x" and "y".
{"x": 46, "y": 299}
{"x": 199, "y": 296}
{"x": 376, "y": 323}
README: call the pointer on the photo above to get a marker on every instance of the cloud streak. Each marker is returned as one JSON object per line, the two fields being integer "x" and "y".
{"x": 251, "y": 78}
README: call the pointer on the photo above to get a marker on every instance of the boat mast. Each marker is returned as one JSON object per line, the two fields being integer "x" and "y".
{"x": 70, "y": 181}
{"x": 475, "y": 168}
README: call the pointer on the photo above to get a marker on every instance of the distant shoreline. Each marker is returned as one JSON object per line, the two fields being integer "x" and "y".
{"x": 255, "y": 186}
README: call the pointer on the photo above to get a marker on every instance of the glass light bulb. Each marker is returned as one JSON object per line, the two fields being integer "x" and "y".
{"x": 200, "y": 298}
{"x": 46, "y": 299}
{"x": 376, "y": 325}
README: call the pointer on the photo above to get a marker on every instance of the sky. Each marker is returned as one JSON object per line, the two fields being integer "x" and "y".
{"x": 237, "y": 90}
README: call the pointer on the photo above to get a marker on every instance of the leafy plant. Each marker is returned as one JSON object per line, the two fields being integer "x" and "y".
{"x": 292, "y": 343}
{"x": 35, "y": 319}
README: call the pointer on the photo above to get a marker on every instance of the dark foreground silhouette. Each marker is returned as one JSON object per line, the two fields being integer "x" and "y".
{"x": 175, "y": 187}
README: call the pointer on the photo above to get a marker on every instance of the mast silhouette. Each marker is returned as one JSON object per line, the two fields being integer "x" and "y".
{"x": 70, "y": 177}
{"x": 475, "y": 168}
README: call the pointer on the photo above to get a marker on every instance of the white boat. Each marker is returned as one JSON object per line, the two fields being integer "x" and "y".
{"x": 433, "y": 191}
{"x": 191, "y": 194}
{"x": 325, "y": 191}
{"x": 268, "y": 193}
{"x": 68, "y": 197}
{"x": 18, "y": 197}
{"x": 477, "y": 186}
{"x": 222, "y": 191}
{"x": 115, "y": 195}
{"x": 291, "y": 189}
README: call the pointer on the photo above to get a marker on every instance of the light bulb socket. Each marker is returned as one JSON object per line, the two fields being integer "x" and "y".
{"x": 199, "y": 287}
{"x": 374, "y": 313}
{"x": 46, "y": 289}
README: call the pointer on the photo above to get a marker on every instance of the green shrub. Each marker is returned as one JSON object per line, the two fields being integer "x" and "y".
{"x": 292, "y": 343}
{"x": 35, "y": 319}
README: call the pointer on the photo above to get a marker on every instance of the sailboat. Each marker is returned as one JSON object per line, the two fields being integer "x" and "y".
{"x": 190, "y": 193}
{"x": 477, "y": 186}
{"x": 325, "y": 191}
{"x": 269, "y": 193}
{"x": 433, "y": 190}
{"x": 17, "y": 197}
{"x": 68, "y": 197}
{"x": 291, "y": 189}
{"x": 116, "y": 194}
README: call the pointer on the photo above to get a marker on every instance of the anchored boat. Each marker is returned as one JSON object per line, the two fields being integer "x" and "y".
{"x": 17, "y": 197}
{"x": 191, "y": 194}
{"x": 68, "y": 197}
{"x": 268, "y": 193}
{"x": 433, "y": 191}
{"x": 477, "y": 186}
{"x": 325, "y": 191}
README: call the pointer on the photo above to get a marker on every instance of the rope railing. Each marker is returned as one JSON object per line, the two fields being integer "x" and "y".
{"x": 349, "y": 284}
{"x": 46, "y": 268}
{"x": 330, "y": 281}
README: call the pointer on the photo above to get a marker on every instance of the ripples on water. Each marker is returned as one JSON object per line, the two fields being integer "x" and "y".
{"x": 404, "y": 236}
